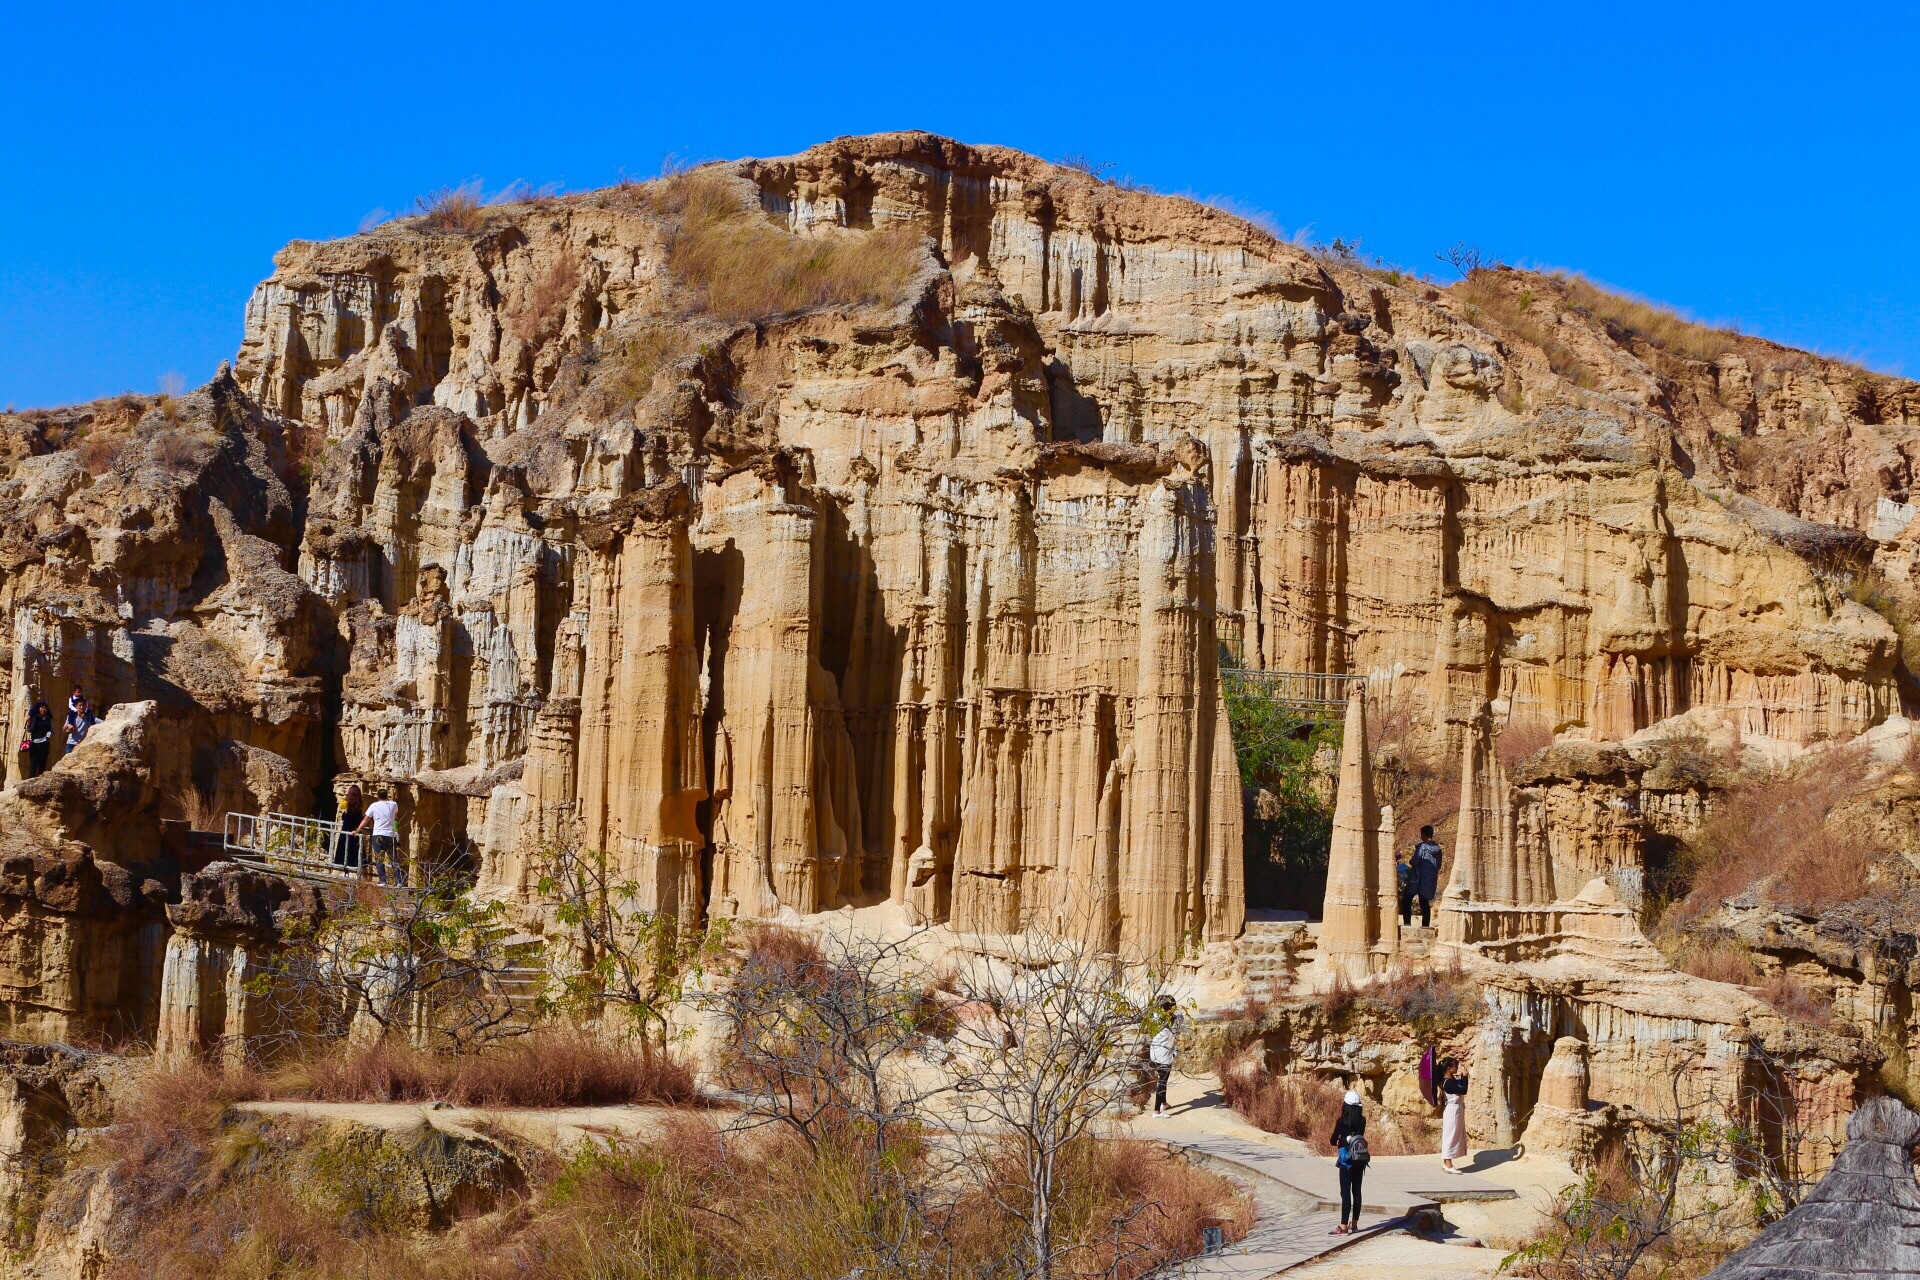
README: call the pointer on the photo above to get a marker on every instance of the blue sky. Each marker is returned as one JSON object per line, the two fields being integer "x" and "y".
{"x": 1755, "y": 163}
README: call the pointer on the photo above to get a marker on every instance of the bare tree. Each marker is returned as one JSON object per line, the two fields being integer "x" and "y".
{"x": 1464, "y": 258}
{"x": 629, "y": 959}
{"x": 429, "y": 966}
{"x": 1052, "y": 1049}
{"x": 821, "y": 1044}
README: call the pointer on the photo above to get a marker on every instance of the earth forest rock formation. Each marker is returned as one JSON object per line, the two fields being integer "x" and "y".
{"x": 873, "y": 523}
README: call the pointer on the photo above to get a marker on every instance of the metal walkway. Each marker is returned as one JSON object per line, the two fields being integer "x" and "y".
{"x": 289, "y": 845}
{"x": 1317, "y": 694}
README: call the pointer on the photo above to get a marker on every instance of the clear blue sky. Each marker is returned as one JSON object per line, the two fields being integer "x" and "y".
{"x": 1754, "y": 163}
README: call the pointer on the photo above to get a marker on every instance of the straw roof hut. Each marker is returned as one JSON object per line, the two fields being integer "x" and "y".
{"x": 1863, "y": 1219}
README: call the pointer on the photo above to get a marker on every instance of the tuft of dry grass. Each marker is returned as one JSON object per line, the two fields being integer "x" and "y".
{"x": 1338, "y": 998}
{"x": 1516, "y": 742}
{"x": 100, "y": 449}
{"x": 1628, "y": 316}
{"x": 740, "y": 266}
{"x": 631, "y": 359}
{"x": 1719, "y": 959}
{"x": 1425, "y": 998}
{"x": 1797, "y": 1002}
{"x": 200, "y": 809}
{"x": 545, "y": 299}
{"x": 545, "y": 1069}
{"x": 452, "y": 210}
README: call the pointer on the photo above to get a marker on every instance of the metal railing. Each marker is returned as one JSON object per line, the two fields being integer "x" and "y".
{"x": 1317, "y": 692}
{"x": 309, "y": 848}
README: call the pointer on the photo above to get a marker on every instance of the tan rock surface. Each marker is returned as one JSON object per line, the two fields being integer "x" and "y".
{"x": 919, "y": 596}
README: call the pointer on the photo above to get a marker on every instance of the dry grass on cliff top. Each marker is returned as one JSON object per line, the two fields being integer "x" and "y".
{"x": 740, "y": 266}
{"x": 1781, "y": 837}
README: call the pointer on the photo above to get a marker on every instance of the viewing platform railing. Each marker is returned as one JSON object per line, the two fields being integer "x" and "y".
{"x": 306, "y": 848}
{"x": 1316, "y": 693}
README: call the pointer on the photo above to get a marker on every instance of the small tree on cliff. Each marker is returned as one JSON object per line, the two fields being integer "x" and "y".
{"x": 629, "y": 959}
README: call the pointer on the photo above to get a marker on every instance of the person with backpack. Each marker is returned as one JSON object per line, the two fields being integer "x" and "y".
{"x": 1350, "y": 1157}
{"x": 1426, "y": 874}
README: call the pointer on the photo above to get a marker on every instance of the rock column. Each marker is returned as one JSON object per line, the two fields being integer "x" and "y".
{"x": 1350, "y": 918}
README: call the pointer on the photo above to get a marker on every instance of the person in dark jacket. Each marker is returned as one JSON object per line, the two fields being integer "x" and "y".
{"x": 1351, "y": 1124}
{"x": 39, "y": 738}
{"x": 1426, "y": 873}
{"x": 346, "y": 849}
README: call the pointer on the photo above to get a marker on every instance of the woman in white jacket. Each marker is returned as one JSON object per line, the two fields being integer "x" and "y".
{"x": 1161, "y": 1052}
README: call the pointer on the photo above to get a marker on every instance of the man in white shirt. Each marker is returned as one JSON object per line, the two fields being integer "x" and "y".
{"x": 381, "y": 820}
{"x": 1161, "y": 1052}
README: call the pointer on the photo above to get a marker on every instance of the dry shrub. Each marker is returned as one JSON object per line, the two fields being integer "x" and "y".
{"x": 1303, "y": 1107}
{"x": 1719, "y": 959}
{"x": 1516, "y": 742}
{"x": 743, "y": 267}
{"x": 774, "y": 948}
{"x": 548, "y": 296}
{"x": 454, "y": 210}
{"x": 1425, "y": 998}
{"x": 1777, "y": 833}
{"x": 1797, "y": 1002}
{"x": 1130, "y": 1209}
{"x": 547, "y": 1069}
{"x": 178, "y": 449}
{"x": 630, "y": 360}
{"x": 1338, "y": 998}
{"x": 99, "y": 450}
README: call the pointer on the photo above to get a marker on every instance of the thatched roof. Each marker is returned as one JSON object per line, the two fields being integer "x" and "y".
{"x": 1862, "y": 1220}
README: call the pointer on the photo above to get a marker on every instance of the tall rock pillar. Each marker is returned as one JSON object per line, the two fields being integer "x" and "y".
{"x": 1349, "y": 925}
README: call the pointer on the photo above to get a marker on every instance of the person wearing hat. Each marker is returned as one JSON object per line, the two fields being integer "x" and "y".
{"x": 1350, "y": 1157}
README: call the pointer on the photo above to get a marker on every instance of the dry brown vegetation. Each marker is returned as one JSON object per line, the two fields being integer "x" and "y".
{"x": 1778, "y": 834}
{"x": 1520, "y": 313}
{"x": 1718, "y": 959}
{"x": 218, "y": 1194}
{"x": 1797, "y": 1002}
{"x": 740, "y": 266}
{"x": 545, "y": 299}
{"x": 1306, "y": 1107}
{"x": 1662, "y": 326}
{"x": 554, "y": 1068}
{"x": 452, "y": 210}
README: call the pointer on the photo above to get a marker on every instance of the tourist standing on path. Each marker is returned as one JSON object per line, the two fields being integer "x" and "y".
{"x": 1403, "y": 880}
{"x": 39, "y": 738}
{"x": 1161, "y": 1052}
{"x": 1453, "y": 1123}
{"x": 1350, "y": 1157}
{"x": 1426, "y": 874}
{"x": 353, "y": 811}
{"x": 80, "y": 718}
{"x": 381, "y": 822}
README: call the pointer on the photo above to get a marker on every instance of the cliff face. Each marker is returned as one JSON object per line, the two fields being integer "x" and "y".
{"x": 917, "y": 590}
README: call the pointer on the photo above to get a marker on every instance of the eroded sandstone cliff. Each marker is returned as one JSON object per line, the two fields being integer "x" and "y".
{"x": 919, "y": 590}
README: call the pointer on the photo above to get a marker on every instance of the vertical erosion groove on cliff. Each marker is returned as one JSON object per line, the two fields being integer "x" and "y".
{"x": 918, "y": 591}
